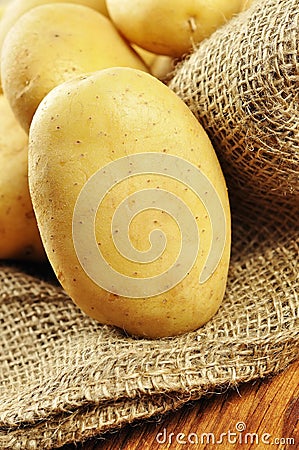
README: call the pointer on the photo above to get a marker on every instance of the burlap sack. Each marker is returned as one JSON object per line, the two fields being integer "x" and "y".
{"x": 64, "y": 377}
{"x": 243, "y": 86}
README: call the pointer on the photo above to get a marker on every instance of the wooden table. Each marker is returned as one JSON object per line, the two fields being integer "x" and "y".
{"x": 259, "y": 415}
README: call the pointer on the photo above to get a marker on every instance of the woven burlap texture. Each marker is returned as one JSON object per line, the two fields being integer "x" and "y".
{"x": 243, "y": 86}
{"x": 64, "y": 377}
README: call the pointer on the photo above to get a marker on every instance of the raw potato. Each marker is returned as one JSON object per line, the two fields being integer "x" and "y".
{"x": 79, "y": 128}
{"x": 170, "y": 27}
{"x": 159, "y": 65}
{"x": 147, "y": 57}
{"x": 162, "y": 66}
{"x": 16, "y": 8}
{"x": 53, "y": 43}
{"x": 19, "y": 236}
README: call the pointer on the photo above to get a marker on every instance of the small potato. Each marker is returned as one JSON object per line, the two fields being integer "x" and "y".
{"x": 53, "y": 43}
{"x": 162, "y": 66}
{"x": 19, "y": 236}
{"x": 159, "y": 65}
{"x": 147, "y": 57}
{"x": 170, "y": 27}
{"x": 131, "y": 202}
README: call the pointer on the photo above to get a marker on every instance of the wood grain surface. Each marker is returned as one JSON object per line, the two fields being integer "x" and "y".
{"x": 259, "y": 415}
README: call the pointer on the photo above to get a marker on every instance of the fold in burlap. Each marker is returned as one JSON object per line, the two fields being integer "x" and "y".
{"x": 64, "y": 377}
{"x": 243, "y": 86}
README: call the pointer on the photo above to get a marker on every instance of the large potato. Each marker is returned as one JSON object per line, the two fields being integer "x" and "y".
{"x": 19, "y": 236}
{"x": 123, "y": 133}
{"x": 170, "y": 27}
{"x": 16, "y": 8}
{"x": 53, "y": 43}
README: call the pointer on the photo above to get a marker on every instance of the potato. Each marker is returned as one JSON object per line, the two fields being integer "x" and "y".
{"x": 170, "y": 27}
{"x": 162, "y": 66}
{"x": 19, "y": 236}
{"x": 158, "y": 65}
{"x": 16, "y": 8}
{"x": 147, "y": 57}
{"x": 131, "y": 202}
{"x": 53, "y": 43}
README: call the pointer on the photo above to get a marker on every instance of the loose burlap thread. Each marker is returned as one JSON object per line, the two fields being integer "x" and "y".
{"x": 64, "y": 377}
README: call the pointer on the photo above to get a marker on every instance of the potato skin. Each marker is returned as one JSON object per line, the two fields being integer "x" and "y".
{"x": 170, "y": 27}
{"x": 81, "y": 126}
{"x": 19, "y": 236}
{"x": 53, "y": 43}
{"x": 16, "y": 8}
